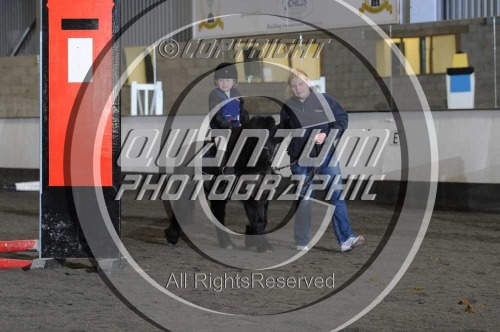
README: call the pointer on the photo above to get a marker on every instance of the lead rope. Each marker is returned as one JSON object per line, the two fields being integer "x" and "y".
{"x": 277, "y": 169}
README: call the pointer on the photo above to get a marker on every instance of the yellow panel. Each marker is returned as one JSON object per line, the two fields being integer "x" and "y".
{"x": 383, "y": 58}
{"x": 275, "y": 69}
{"x": 412, "y": 53}
{"x": 443, "y": 49}
{"x": 273, "y": 73}
{"x": 139, "y": 73}
{"x": 307, "y": 63}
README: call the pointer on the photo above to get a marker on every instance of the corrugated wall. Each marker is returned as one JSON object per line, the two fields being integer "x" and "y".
{"x": 463, "y": 9}
{"x": 164, "y": 18}
{"x": 15, "y": 17}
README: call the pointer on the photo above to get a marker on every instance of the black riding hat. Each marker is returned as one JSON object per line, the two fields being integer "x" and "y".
{"x": 226, "y": 70}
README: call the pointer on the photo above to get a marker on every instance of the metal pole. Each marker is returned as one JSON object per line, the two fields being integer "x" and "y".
{"x": 154, "y": 65}
{"x": 392, "y": 72}
{"x": 495, "y": 58}
{"x": 405, "y": 12}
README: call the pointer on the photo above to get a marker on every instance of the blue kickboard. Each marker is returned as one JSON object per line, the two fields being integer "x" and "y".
{"x": 460, "y": 83}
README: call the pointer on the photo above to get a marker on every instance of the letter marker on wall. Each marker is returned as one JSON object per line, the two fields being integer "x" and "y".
{"x": 79, "y": 60}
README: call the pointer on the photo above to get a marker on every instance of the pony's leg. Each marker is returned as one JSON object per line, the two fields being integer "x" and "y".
{"x": 257, "y": 216}
{"x": 184, "y": 208}
{"x": 219, "y": 211}
{"x": 262, "y": 207}
{"x": 173, "y": 232}
{"x": 249, "y": 240}
{"x": 264, "y": 212}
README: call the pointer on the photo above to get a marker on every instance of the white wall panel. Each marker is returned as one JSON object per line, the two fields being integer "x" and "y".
{"x": 467, "y": 141}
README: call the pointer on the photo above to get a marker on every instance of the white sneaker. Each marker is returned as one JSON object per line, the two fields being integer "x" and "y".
{"x": 306, "y": 248}
{"x": 352, "y": 242}
{"x": 358, "y": 241}
{"x": 346, "y": 246}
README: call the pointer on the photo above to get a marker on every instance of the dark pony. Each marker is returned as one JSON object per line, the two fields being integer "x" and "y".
{"x": 256, "y": 210}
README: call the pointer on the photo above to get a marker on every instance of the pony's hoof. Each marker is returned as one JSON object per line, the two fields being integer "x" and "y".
{"x": 171, "y": 236}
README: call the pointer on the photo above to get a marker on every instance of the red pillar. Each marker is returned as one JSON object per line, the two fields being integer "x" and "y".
{"x": 80, "y": 118}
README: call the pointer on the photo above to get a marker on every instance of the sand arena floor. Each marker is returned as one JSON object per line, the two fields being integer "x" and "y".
{"x": 452, "y": 284}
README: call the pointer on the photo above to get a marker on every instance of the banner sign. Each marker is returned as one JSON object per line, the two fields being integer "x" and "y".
{"x": 258, "y": 17}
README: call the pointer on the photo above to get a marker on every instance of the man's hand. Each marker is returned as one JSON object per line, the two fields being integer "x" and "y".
{"x": 320, "y": 138}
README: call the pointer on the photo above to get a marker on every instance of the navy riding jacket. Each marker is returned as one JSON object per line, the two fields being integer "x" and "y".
{"x": 315, "y": 112}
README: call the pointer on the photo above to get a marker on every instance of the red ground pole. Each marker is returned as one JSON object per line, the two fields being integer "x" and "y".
{"x": 6, "y": 264}
{"x": 18, "y": 246}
